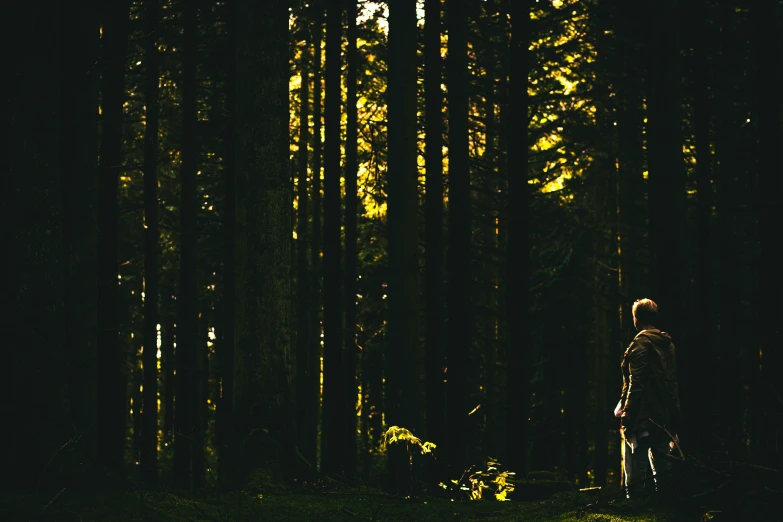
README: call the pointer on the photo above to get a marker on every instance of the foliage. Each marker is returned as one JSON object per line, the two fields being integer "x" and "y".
{"x": 476, "y": 484}
{"x": 397, "y": 434}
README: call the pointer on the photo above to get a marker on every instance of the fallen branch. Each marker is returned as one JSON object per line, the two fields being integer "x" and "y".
{"x": 711, "y": 490}
{"x": 54, "y": 499}
{"x": 672, "y": 439}
{"x": 73, "y": 440}
{"x": 746, "y": 464}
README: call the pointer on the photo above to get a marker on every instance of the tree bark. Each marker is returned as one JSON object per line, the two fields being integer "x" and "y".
{"x": 262, "y": 414}
{"x": 701, "y": 354}
{"x": 518, "y": 250}
{"x": 351, "y": 216}
{"x": 488, "y": 245}
{"x": 728, "y": 200}
{"x": 631, "y": 205}
{"x": 167, "y": 363}
{"x": 306, "y": 357}
{"x": 333, "y": 442}
{"x": 433, "y": 241}
{"x": 81, "y": 42}
{"x": 111, "y": 395}
{"x": 403, "y": 381}
{"x": 226, "y": 347}
{"x": 460, "y": 329}
{"x": 667, "y": 175}
{"x": 149, "y": 443}
{"x": 770, "y": 182}
{"x": 37, "y": 410}
{"x": 188, "y": 436}
{"x": 317, "y": 234}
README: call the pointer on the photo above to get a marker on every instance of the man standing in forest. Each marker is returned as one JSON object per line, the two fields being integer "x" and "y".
{"x": 649, "y": 407}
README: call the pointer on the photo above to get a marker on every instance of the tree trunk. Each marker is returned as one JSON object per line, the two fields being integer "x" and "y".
{"x": 202, "y": 395}
{"x": 186, "y": 426}
{"x": 226, "y": 347}
{"x": 317, "y": 235}
{"x": 402, "y": 390}
{"x": 306, "y": 358}
{"x": 730, "y": 374}
{"x": 433, "y": 242}
{"x": 38, "y": 423}
{"x": 518, "y": 250}
{"x": 333, "y": 442}
{"x": 149, "y": 443}
{"x": 631, "y": 205}
{"x": 263, "y": 416}
{"x": 770, "y": 181}
{"x": 700, "y": 354}
{"x": 351, "y": 215}
{"x": 167, "y": 364}
{"x": 111, "y": 404}
{"x": 488, "y": 246}
{"x": 81, "y": 42}
{"x": 667, "y": 175}
{"x": 460, "y": 330}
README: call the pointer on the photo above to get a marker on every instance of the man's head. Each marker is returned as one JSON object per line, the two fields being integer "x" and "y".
{"x": 645, "y": 313}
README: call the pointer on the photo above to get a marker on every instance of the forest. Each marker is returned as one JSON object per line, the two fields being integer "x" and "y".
{"x": 355, "y": 260}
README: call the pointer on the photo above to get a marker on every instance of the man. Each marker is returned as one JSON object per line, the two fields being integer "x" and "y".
{"x": 649, "y": 407}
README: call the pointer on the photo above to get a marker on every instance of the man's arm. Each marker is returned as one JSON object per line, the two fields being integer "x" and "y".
{"x": 637, "y": 382}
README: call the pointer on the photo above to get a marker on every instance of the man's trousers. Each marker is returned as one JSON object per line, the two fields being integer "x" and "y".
{"x": 647, "y": 468}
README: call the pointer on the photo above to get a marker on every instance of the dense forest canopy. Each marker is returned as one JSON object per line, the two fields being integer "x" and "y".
{"x": 388, "y": 242}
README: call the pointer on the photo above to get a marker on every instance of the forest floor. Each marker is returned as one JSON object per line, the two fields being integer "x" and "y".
{"x": 282, "y": 506}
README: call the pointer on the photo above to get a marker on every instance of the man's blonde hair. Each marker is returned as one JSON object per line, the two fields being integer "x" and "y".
{"x": 645, "y": 311}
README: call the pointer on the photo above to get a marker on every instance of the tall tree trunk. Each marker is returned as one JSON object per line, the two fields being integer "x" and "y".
{"x": 488, "y": 245}
{"x": 667, "y": 175}
{"x": 606, "y": 294}
{"x": 631, "y": 201}
{"x": 38, "y": 423}
{"x": 111, "y": 406}
{"x": 226, "y": 347}
{"x": 187, "y": 432}
{"x": 767, "y": 51}
{"x": 402, "y": 393}
{"x": 333, "y": 442}
{"x": 202, "y": 395}
{"x": 631, "y": 204}
{"x": 306, "y": 358}
{"x": 81, "y": 42}
{"x": 518, "y": 250}
{"x": 460, "y": 330}
{"x": 730, "y": 374}
{"x": 167, "y": 362}
{"x": 351, "y": 216}
{"x": 700, "y": 354}
{"x": 433, "y": 242}
{"x": 135, "y": 390}
{"x": 263, "y": 416}
{"x": 317, "y": 235}
{"x": 770, "y": 182}
{"x": 149, "y": 443}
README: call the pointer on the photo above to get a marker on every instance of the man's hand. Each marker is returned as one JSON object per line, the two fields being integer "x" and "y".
{"x": 618, "y": 410}
{"x": 672, "y": 443}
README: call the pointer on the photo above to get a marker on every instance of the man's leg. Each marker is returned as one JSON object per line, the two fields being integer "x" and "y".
{"x": 635, "y": 467}
{"x": 661, "y": 466}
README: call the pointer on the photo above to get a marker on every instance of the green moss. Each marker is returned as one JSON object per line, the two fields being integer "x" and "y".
{"x": 366, "y": 505}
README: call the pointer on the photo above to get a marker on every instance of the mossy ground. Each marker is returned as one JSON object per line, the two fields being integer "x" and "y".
{"x": 286, "y": 506}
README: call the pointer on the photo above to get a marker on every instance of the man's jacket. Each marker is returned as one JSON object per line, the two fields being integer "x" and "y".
{"x": 650, "y": 395}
